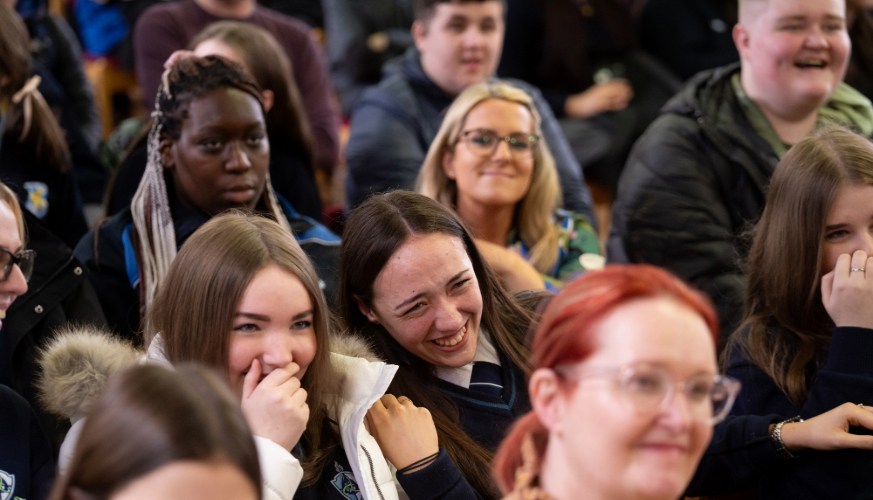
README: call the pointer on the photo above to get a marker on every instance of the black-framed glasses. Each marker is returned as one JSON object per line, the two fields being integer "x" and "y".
{"x": 24, "y": 260}
{"x": 650, "y": 388}
{"x": 484, "y": 142}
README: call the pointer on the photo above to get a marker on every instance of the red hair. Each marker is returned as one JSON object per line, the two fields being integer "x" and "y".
{"x": 566, "y": 336}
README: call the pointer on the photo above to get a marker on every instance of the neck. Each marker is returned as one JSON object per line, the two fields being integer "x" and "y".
{"x": 790, "y": 125}
{"x": 231, "y": 9}
{"x": 560, "y": 481}
{"x": 490, "y": 223}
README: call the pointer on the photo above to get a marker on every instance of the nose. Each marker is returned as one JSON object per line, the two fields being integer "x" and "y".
{"x": 816, "y": 38}
{"x": 473, "y": 36}
{"x": 678, "y": 412}
{"x": 448, "y": 318}
{"x": 502, "y": 150}
{"x": 15, "y": 284}
{"x": 237, "y": 158}
{"x": 278, "y": 349}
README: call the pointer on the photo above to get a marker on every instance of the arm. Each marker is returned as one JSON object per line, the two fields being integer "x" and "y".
{"x": 384, "y": 151}
{"x": 575, "y": 192}
{"x": 516, "y": 273}
{"x": 669, "y": 213}
{"x": 281, "y": 473}
{"x": 440, "y": 480}
{"x": 155, "y": 37}
{"x": 316, "y": 92}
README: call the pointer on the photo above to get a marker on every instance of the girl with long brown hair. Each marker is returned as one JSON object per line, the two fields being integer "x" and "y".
{"x": 413, "y": 283}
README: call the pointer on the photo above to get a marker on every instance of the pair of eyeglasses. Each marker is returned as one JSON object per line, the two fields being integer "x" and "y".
{"x": 648, "y": 389}
{"x": 484, "y": 142}
{"x": 24, "y": 260}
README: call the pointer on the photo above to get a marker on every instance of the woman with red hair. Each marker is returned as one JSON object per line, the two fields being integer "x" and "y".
{"x": 625, "y": 391}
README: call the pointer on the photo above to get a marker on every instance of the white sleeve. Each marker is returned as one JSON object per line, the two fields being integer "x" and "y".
{"x": 281, "y": 473}
{"x": 65, "y": 455}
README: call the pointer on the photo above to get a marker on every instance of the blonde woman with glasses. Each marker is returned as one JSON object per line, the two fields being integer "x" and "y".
{"x": 489, "y": 164}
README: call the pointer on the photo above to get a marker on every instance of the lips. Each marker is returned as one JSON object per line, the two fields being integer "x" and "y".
{"x": 240, "y": 193}
{"x": 811, "y": 63}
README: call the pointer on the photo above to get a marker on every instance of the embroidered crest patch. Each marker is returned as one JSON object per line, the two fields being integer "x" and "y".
{"x": 37, "y": 198}
{"x": 344, "y": 482}
{"x": 7, "y": 485}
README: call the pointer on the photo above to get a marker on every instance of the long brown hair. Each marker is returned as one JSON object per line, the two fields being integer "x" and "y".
{"x": 42, "y": 133}
{"x": 195, "y": 305}
{"x": 270, "y": 67}
{"x": 374, "y": 232}
{"x": 150, "y": 416}
{"x": 788, "y": 327}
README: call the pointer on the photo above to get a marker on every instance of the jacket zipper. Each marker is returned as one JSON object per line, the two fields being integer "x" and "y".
{"x": 373, "y": 472}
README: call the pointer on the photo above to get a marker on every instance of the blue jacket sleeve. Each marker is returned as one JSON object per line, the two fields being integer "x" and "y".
{"x": 440, "y": 480}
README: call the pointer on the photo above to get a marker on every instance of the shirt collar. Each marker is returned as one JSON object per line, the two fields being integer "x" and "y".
{"x": 485, "y": 351}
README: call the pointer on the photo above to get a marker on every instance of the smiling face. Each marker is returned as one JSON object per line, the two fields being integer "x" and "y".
{"x": 794, "y": 53}
{"x": 849, "y": 225}
{"x": 640, "y": 455}
{"x": 460, "y": 45}
{"x": 10, "y": 240}
{"x": 427, "y": 297}
{"x": 273, "y": 323}
{"x": 504, "y": 177}
{"x": 221, "y": 158}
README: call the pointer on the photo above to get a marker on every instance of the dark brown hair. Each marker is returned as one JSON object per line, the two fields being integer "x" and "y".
{"x": 195, "y": 305}
{"x": 425, "y": 9}
{"x": 374, "y": 232}
{"x": 44, "y": 135}
{"x": 270, "y": 67}
{"x": 788, "y": 327}
{"x": 150, "y": 416}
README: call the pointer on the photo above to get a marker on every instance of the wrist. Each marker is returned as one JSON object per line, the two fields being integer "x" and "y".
{"x": 782, "y": 437}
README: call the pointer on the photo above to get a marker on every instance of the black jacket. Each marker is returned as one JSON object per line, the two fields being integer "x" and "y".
{"x": 109, "y": 254}
{"x": 694, "y": 182}
{"x": 395, "y": 122}
{"x": 27, "y": 468}
{"x": 741, "y": 454}
{"x": 58, "y": 293}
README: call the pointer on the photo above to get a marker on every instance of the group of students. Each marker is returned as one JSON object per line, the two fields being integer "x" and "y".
{"x": 420, "y": 356}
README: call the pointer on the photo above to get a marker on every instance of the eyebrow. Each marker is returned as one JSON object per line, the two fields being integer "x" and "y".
{"x": 264, "y": 317}
{"x": 835, "y": 226}
{"x": 420, "y": 295}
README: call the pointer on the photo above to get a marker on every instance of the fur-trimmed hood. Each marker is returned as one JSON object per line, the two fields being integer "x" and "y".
{"x": 77, "y": 363}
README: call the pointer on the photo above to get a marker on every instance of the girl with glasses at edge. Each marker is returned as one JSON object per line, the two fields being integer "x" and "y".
{"x": 157, "y": 432}
{"x": 488, "y": 163}
{"x": 414, "y": 284}
{"x": 803, "y": 350}
{"x": 26, "y": 458}
{"x": 208, "y": 152}
{"x": 625, "y": 391}
{"x": 242, "y": 298}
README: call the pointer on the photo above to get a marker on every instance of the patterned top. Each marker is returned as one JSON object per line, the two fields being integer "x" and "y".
{"x": 578, "y": 249}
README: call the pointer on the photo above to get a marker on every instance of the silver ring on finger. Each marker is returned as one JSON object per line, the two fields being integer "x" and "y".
{"x": 860, "y": 405}
{"x": 856, "y": 269}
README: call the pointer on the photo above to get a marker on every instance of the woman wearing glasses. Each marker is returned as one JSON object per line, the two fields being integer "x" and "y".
{"x": 625, "y": 391}
{"x": 16, "y": 263}
{"x": 487, "y": 163}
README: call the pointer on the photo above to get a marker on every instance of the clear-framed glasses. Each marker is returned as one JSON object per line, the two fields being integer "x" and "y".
{"x": 650, "y": 388}
{"x": 484, "y": 142}
{"x": 24, "y": 260}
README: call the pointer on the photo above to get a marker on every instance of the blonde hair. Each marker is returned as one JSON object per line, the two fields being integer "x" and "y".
{"x": 534, "y": 213}
{"x": 11, "y": 199}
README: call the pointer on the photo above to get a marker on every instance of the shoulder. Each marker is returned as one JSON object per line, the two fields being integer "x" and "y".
{"x": 281, "y": 24}
{"x": 395, "y": 92}
{"x": 161, "y": 12}
{"x": 104, "y": 241}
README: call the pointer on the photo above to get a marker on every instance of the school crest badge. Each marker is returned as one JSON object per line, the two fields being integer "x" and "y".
{"x": 344, "y": 482}
{"x": 7, "y": 485}
{"x": 37, "y": 198}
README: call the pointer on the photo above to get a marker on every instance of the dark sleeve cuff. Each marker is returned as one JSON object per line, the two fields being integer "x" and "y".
{"x": 851, "y": 351}
{"x": 440, "y": 479}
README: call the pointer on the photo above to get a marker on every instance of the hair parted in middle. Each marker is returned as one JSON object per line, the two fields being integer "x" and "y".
{"x": 149, "y": 416}
{"x": 788, "y": 326}
{"x": 187, "y": 79}
{"x": 196, "y": 303}
{"x": 373, "y": 233}
{"x": 534, "y": 214}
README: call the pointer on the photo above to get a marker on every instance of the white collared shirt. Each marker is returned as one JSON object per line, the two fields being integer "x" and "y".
{"x": 485, "y": 351}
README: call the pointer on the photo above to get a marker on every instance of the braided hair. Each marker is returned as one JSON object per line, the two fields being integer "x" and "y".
{"x": 186, "y": 79}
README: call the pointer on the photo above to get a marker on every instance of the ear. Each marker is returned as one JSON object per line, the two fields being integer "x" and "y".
{"x": 741, "y": 39}
{"x": 269, "y": 100}
{"x": 419, "y": 34}
{"x": 366, "y": 310}
{"x": 547, "y": 399}
{"x": 449, "y": 163}
{"x": 167, "y": 149}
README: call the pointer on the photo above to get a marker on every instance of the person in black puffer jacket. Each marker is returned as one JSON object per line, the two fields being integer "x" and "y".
{"x": 698, "y": 176}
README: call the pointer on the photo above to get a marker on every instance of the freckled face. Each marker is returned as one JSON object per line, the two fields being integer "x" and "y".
{"x": 428, "y": 299}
